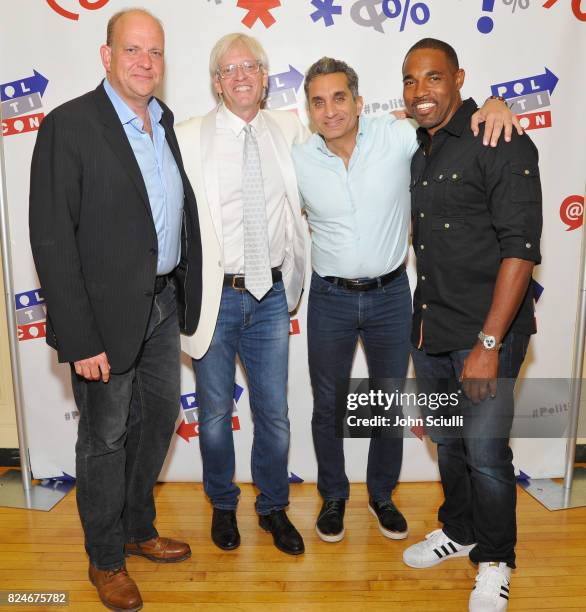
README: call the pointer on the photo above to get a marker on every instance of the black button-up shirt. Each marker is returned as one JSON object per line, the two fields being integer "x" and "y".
{"x": 472, "y": 206}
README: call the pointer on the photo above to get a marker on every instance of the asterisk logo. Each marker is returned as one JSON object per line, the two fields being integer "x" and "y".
{"x": 258, "y": 9}
{"x": 325, "y": 10}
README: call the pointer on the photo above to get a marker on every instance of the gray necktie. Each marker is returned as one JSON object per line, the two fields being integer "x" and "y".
{"x": 257, "y": 269}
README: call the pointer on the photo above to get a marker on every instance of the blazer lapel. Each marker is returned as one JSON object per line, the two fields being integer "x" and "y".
{"x": 116, "y": 137}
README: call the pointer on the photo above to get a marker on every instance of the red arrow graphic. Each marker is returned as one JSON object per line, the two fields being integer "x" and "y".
{"x": 187, "y": 430}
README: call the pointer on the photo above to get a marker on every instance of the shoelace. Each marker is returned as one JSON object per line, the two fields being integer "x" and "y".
{"x": 114, "y": 572}
{"x": 387, "y": 505}
{"x": 332, "y": 506}
{"x": 489, "y": 582}
{"x": 436, "y": 538}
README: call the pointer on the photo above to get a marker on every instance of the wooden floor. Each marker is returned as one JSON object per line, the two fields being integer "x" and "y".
{"x": 44, "y": 550}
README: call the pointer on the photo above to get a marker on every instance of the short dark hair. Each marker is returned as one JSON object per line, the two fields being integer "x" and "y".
{"x": 440, "y": 45}
{"x": 328, "y": 65}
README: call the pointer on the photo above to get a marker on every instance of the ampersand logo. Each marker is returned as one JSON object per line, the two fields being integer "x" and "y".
{"x": 90, "y": 5}
{"x": 572, "y": 212}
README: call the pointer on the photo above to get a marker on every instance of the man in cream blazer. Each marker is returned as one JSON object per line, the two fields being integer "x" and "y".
{"x": 236, "y": 157}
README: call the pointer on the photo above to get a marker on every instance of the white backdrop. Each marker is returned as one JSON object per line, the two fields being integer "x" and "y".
{"x": 535, "y": 51}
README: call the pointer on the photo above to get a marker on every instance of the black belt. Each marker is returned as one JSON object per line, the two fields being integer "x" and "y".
{"x": 367, "y": 284}
{"x": 236, "y": 281}
{"x": 161, "y": 282}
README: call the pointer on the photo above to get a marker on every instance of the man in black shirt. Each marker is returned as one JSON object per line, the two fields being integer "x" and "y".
{"x": 477, "y": 220}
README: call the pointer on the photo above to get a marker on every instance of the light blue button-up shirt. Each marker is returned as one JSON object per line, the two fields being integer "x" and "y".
{"x": 160, "y": 174}
{"x": 359, "y": 217}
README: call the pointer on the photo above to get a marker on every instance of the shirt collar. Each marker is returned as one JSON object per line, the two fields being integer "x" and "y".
{"x": 125, "y": 113}
{"x": 456, "y": 125}
{"x": 228, "y": 120}
{"x": 321, "y": 145}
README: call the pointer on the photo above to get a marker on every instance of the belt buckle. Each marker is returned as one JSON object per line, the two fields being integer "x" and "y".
{"x": 357, "y": 285}
{"x": 234, "y": 278}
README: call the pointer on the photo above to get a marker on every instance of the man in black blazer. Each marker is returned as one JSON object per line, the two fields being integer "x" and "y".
{"x": 115, "y": 239}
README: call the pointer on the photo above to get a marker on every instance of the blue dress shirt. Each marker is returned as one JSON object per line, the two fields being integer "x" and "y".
{"x": 160, "y": 174}
{"x": 359, "y": 217}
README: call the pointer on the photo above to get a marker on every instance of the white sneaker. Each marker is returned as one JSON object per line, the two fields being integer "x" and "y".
{"x": 491, "y": 591}
{"x": 436, "y": 547}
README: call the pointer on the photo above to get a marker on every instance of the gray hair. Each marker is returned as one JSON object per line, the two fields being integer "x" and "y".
{"x": 328, "y": 65}
{"x": 117, "y": 16}
{"x": 228, "y": 41}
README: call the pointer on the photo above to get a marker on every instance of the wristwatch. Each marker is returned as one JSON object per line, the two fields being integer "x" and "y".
{"x": 489, "y": 342}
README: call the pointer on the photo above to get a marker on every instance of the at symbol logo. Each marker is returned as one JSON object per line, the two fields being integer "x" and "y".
{"x": 90, "y": 5}
{"x": 572, "y": 212}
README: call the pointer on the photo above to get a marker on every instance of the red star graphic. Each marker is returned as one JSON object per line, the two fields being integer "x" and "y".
{"x": 258, "y": 9}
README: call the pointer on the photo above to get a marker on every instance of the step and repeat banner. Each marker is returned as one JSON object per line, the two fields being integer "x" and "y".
{"x": 532, "y": 52}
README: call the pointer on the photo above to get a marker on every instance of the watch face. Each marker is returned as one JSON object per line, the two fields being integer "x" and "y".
{"x": 489, "y": 342}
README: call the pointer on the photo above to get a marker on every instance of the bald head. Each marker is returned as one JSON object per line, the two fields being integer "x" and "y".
{"x": 115, "y": 20}
{"x": 134, "y": 57}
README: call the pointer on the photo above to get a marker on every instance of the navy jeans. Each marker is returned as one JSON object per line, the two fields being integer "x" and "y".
{"x": 258, "y": 333}
{"x": 337, "y": 317}
{"x": 476, "y": 468}
{"x": 125, "y": 427}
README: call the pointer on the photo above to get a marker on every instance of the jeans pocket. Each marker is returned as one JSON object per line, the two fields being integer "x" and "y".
{"x": 319, "y": 285}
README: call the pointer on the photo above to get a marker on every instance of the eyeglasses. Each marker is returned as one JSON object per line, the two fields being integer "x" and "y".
{"x": 230, "y": 70}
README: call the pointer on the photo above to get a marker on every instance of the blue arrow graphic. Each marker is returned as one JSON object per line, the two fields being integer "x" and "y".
{"x": 286, "y": 80}
{"x": 15, "y": 89}
{"x": 294, "y": 479}
{"x": 537, "y": 290}
{"x": 540, "y": 82}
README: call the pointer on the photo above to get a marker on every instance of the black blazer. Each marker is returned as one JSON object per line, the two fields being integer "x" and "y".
{"x": 93, "y": 237}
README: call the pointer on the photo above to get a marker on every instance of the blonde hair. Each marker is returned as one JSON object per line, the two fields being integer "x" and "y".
{"x": 228, "y": 41}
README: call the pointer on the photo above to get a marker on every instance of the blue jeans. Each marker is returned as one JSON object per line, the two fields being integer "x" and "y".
{"x": 258, "y": 333}
{"x": 125, "y": 428}
{"x": 337, "y": 317}
{"x": 476, "y": 468}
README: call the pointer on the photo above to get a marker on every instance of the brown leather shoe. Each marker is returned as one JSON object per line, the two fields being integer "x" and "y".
{"x": 116, "y": 589}
{"x": 160, "y": 550}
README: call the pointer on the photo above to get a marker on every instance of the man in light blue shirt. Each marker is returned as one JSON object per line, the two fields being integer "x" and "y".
{"x": 159, "y": 172}
{"x": 353, "y": 175}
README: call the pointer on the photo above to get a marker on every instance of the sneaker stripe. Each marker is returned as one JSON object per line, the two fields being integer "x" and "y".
{"x": 504, "y": 596}
{"x": 446, "y": 550}
{"x": 504, "y": 588}
{"x": 437, "y": 552}
{"x": 451, "y": 545}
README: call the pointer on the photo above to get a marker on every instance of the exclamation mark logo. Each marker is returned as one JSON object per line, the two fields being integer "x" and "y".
{"x": 485, "y": 23}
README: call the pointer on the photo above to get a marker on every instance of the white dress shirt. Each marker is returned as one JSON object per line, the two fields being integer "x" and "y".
{"x": 230, "y": 155}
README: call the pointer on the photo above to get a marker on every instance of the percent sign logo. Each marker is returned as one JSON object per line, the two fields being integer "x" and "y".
{"x": 576, "y": 8}
{"x": 572, "y": 212}
{"x": 419, "y": 13}
{"x": 523, "y": 4}
{"x": 485, "y": 24}
{"x": 90, "y": 5}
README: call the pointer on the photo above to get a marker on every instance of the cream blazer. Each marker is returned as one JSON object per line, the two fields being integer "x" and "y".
{"x": 196, "y": 138}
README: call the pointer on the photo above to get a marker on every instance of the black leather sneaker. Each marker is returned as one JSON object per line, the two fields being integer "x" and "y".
{"x": 391, "y": 522}
{"x": 330, "y": 522}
